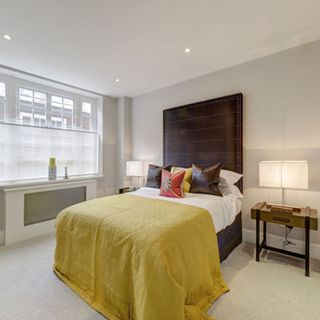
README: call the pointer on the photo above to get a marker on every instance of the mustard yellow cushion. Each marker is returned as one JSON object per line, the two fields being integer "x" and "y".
{"x": 187, "y": 177}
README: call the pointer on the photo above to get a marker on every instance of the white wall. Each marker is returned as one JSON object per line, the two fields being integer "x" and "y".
{"x": 281, "y": 119}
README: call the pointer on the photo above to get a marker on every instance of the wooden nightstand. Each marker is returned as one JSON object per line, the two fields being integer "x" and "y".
{"x": 302, "y": 218}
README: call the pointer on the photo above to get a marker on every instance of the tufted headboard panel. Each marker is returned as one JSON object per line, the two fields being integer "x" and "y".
{"x": 205, "y": 133}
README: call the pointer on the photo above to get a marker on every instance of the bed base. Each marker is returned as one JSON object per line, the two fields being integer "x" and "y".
{"x": 230, "y": 237}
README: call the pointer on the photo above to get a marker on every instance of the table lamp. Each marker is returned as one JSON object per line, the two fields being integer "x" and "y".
{"x": 134, "y": 169}
{"x": 284, "y": 175}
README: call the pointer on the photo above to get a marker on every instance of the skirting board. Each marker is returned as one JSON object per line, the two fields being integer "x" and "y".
{"x": 276, "y": 241}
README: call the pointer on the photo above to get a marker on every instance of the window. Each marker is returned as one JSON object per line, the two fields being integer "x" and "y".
{"x": 62, "y": 112}
{"x": 2, "y": 100}
{"x": 86, "y": 116}
{"x": 32, "y": 107}
{"x": 43, "y": 124}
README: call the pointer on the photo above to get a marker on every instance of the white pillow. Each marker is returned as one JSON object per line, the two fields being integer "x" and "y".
{"x": 229, "y": 178}
{"x": 231, "y": 190}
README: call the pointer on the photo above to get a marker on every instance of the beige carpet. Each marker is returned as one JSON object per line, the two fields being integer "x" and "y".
{"x": 271, "y": 289}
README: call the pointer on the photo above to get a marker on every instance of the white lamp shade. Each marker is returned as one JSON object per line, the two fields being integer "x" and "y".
{"x": 295, "y": 174}
{"x": 283, "y": 174}
{"x": 134, "y": 168}
{"x": 145, "y": 168}
{"x": 270, "y": 174}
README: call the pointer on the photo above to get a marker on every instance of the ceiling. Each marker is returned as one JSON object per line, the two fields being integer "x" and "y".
{"x": 91, "y": 43}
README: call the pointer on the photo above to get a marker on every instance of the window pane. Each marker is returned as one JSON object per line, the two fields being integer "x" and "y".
{"x": 56, "y": 102}
{"x": 56, "y": 99}
{"x": 32, "y": 107}
{"x": 25, "y": 108}
{"x": 56, "y": 111}
{"x": 40, "y": 95}
{"x": 68, "y": 102}
{"x": 2, "y": 100}
{"x": 67, "y": 117}
{"x": 26, "y": 117}
{"x": 2, "y": 89}
{"x": 67, "y": 120}
{"x": 26, "y": 99}
{"x": 2, "y": 106}
{"x": 25, "y": 92}
{"x": 86, "y": 116}
{"x": 86, "y": 107}
{"x": 62, "y": 112}
{"x": 40, "y": 108}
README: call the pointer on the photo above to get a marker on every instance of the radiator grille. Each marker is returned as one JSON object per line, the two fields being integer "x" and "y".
{"x": 45, "y": 205}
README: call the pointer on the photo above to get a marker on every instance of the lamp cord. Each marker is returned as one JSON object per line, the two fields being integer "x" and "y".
{"x": 286, "y": 241}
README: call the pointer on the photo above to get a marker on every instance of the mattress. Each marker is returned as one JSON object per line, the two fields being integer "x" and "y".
{"x": 223, "y": 210}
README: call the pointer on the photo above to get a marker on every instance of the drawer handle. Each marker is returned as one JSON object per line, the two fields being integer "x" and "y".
{"x": 281, "y": 219}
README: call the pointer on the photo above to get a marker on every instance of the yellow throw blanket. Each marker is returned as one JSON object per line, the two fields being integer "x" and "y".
{"x": 134, "y": 258}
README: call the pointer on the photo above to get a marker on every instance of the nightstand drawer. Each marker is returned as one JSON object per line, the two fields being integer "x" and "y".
{"x": 286, "y": 219}
{"x": 282, "y": 219}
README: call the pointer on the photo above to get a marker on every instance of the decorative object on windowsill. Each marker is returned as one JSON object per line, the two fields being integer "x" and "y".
{"x": 134, "y": 169}
{"x": 66, "y": 176}
{"x": 285, "y": 175}
{"x": 52, "y": 169}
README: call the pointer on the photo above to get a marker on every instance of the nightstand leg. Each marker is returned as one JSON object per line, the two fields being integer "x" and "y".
{"x": 265, "y": 232}
{"x": 307, "y": 262}
{"x": 258, "y": 236}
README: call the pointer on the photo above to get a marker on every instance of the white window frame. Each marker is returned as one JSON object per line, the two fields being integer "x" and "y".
{"x": 13, "y": 82}
{"x": 18, "y": 105}
{"x": 77, "y": 100}
{"x": 5, "y": 100}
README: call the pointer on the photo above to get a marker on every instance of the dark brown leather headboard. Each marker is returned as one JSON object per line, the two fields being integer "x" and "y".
{"x": 205, "y": 133}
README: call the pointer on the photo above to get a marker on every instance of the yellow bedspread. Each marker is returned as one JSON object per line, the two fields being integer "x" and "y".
{"x": 137, "y": 258}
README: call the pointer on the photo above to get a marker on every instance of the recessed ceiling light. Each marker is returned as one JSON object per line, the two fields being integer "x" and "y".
{"x": 187, "y": 50}
{"x": 117, "y": 80}
{"x": 7, "y": 37}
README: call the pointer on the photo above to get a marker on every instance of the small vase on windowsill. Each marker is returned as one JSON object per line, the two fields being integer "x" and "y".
{"x": 52, "y": 169}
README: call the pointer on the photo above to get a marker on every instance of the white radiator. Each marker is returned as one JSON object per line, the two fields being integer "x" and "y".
{"x": 31, "y": 211}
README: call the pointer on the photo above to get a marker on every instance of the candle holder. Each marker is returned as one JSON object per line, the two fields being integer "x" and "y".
{"x": 66, "y": 173}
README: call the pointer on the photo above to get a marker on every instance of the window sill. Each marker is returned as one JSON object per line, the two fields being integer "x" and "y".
{"x": 10, "y": 185}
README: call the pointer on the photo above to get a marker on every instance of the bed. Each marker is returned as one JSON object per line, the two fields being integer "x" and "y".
{"x": 138, "y": 257}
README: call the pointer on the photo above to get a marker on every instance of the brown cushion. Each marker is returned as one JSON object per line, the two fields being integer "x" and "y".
{"x": 154, "y": 175}
{"x": 205, "y": 180}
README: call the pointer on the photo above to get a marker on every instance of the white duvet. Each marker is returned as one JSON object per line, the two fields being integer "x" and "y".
{"x": 223, "y": 210}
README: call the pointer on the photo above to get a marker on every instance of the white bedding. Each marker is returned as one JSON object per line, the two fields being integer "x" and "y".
{"x": 223, "y": 210}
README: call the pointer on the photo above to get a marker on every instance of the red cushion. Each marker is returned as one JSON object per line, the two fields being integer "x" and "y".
{"x": 171, "y": 184}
